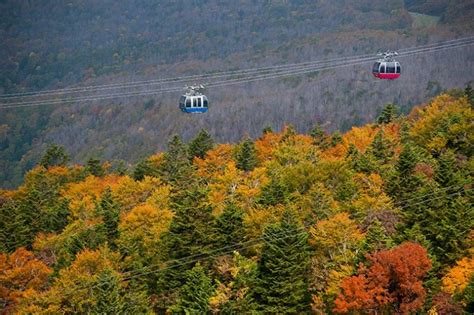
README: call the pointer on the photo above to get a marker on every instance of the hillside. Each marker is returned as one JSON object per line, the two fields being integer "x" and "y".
{"x": 48, "y": 45}
{"x": 378, "y": 219}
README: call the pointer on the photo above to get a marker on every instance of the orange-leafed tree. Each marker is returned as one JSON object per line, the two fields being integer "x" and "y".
{"x": 391, "y": 282}
{"x": 21, "y": 274}
{"x": 266, "y": 145}
{"x": 458, "y": 276}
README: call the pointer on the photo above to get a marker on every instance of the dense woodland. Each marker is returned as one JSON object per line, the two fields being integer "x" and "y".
{"x": 375, "y": 220}
{"x": 50, "y": 44}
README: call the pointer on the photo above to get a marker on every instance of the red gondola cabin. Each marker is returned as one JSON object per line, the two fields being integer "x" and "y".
{"x": 389, "y": 70}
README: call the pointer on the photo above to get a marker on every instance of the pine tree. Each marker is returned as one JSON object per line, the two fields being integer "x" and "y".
{"x": 145, "y": 168}
{"x": 111, "y": 297}
{"x": 468, "y": 296}
{"x": 55, "y": 156}
{"x": 194, "y": 295}
{"x": 381, "y": 149}
{"x": 94, "y": 167}
{"x": 447, "y": 175}
{"x": 121, "y": 168}
{"x": 282, "y": 285}
{"x": 110, "y": 211}
{"x": 107, "y": 294}
{"x": 360, "y": 162}
{"x": 376, "y": 238}
{"x": 39, "y": 208}
{"x": 444, "y": 221}
{"x": 336, "y": 138}
{"x": 469, "y": 94}
{"x": 246, "y": 156}
{"x": 273, "y": 193}
{"x": 267, "y": 129}
{"x": 176, "y": 168}
{"x": 319, "y": 136}
{"x": 199, "y": 146}
{"x": 405, "y": 183}
{"x": 230, "y": 226}
{"x": 388, "y": 114}
{"x": 190, "y": 233}
{"x": 404, "y": 132}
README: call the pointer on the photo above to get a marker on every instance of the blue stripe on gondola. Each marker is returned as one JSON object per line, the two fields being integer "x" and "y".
{"x": 194, "y": 110}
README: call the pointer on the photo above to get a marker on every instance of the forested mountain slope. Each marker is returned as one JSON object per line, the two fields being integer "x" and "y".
{"x": 47, "y": 45}
{"x": 378, "y": 219}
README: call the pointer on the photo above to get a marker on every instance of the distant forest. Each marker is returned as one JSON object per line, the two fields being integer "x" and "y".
{"x": 47, "y": 45}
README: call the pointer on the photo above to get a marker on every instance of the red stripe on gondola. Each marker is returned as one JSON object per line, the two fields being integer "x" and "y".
{"x": 387, "y": 76}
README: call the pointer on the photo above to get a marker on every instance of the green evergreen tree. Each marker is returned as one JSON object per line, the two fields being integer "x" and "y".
{"x": 110, "y": 211}
{"x": 389, "y": 113}
{"x": 199, "y": 146}
{"x": 176, "y": 168}
{"x": 381, "y": 148}
{"x": 194, "y": 295}
{"x": 94, "y": 167}
{"x": 282, "y": 285}
{"x": 363, "y": 163}
{"x": 39, "y": 208}
{"x": 404, "y": 132}
{"x": 336, "y": 138}
{"x": 191, "y": 233}
{"x": 447, "y": 175}
{"x": 267, "y": 129}
{"x": 469, "y": 94}
{"x": 111, "y": 297}
{"x": 121, "y": 168}
{"x": 107, "y": 294}
{"x": 376, "y": 238}
{"x": 273, "y": 193}
{"x": 230, "y": 226}
{"x": 145, "y": 168}
{"x": 405, "y": 182}
{"x": 246, "y": 155}
{"x": 319, "y": 136}
{"x": 55, "y": 156}
{"x": 468, "y": 296}
{"x": 445, "y": 221}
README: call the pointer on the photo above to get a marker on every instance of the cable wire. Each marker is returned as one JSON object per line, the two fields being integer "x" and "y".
{"x": 304, "y": 70}
{"x": 290, "y": 69}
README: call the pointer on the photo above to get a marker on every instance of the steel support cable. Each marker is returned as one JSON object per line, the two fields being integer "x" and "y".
{"x": 229, "y": 81}
{"x": 142, "y": 93}
{"x": 95, "y": 97}
{"x": 146, "y": 91}
{"x": 242, "y": 72}
{"x": 305, "y": 71}
{"x": 206, "y": 76}
{"x": 137, "y": 84}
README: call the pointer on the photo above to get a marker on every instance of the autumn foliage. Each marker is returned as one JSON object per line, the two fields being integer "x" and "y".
{"x": 458, "y": 276}
{"x": 393, "y": 278}
{"x": 21, "y": 275}
{"x": 340, "y": 223}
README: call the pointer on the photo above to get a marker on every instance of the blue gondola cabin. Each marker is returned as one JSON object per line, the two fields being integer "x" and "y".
{"x": 194, "y": 103}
